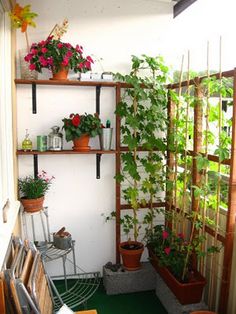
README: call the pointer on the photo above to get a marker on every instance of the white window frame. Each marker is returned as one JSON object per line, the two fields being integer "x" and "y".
{"x": 7, "y": 192}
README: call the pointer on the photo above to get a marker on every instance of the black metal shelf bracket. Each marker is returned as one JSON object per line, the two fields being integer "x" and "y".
{"x": 36, "y": 167}
{"x": 98, "y": 93}
{"x": 98, "y": 163}
{"x": 34, "y": 100}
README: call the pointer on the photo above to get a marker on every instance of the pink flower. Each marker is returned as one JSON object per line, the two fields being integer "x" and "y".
{"x": 89, "y": 59}
{"x": 43, "y": 61}
{"x": 32, "y": 67}
{"x": 44, "y": 50}
{"x": 65, "y": 61}
{"x": 68, "y": 45}
{"x": 28, "y": 57}
{"x": 87, "y": 65}
{"x": 167, "y": 250}
{"x": 79, "y": 49}
{"x": 50, "y": 60}
{"x": 69, "y": 54}
{"x": 42, "y": 43}
{"x": 165, "y": 234}
{"x": 34, "y": 51}
{"x": 59, "y": 45}
{"x": 81, "y": 65}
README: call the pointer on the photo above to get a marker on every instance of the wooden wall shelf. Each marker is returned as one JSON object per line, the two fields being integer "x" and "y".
{"x": 67, "y": 83}
{"x": 65, "y": 152}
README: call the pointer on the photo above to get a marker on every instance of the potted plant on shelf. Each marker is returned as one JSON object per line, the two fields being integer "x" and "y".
{"x": 58, "y": 57}
{"x": 32, "y": 191}
{"x": 79, "y": 128}
{"x": 143, "y": 122}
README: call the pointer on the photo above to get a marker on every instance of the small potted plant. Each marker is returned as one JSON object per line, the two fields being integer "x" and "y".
{"x": 79, "y": 128}
{"x": 32, "y": 191}
{"x": 58, "y": 57}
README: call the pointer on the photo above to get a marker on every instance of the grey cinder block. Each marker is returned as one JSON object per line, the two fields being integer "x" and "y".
{"x": 125, "y": 281}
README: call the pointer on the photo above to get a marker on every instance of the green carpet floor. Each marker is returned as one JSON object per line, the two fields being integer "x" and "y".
{"x": 132, "y": 303}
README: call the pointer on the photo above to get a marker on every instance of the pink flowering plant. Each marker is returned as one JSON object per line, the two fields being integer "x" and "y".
{"x": 175, "y": 251}
{"x": 52, "y": 54}
{"x": 170, "y": 248}
{"x": 31, "y": 188}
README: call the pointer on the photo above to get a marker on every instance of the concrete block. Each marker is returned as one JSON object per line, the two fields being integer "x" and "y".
{"x": 169, "y": 301}
{"x": 123, "y": 281}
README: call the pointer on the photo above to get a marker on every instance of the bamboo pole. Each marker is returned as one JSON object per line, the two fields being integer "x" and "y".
{"x": 186, "y": 143}
{"x": 204, "y": 211}
{"x": 217, "y": 214}
{"x": 175, "y": 224}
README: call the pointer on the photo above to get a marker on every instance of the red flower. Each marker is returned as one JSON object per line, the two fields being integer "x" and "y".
{"x": 71, "y": 115}
{"x": 89, "y": 59}
{"x": 44, "y": 50}
{"x": 181, "y": 235}
{"x": 69, "y": 54}
{"x": 59, "y": 45}
{"x": 65, "y": 61}
{"x": 34, "y": 51}
{"x": 42, "y": 43}
{"x": 68, "y": 45}
{"x": 165, "y": 234}
{"x": 76, "y": 120}
{"x": 79, "y": 49}
{"x": 28, "y": 57}
{"x": 43, "y": 61}
{"x": 32, "y": 67}
{"x": 87, "y": 65}
{"x": 50, "y": 60}
{"x": 167, "y": 250}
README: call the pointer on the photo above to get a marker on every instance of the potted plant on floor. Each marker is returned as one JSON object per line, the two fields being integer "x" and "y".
{"x": 58, "y": 57}
{"x": 143, "y": 122}
{"x": 79, "y": 128}
{"x": 32, "y": 191}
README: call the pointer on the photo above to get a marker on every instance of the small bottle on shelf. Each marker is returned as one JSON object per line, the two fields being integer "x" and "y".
{"x": 27, "y": 143}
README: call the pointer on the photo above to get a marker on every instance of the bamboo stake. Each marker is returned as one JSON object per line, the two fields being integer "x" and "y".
{"x": 175, "y": 225}
{"x": 217, "y": 215}
{"x": 204, "y": 212}
{"x": 135, "y": 105}
{"x": 27, "y": 41}
{"x": 186, "y": 140}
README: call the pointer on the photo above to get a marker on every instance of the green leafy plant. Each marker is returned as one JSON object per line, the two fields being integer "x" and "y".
{"x": 31, "y": 188}
{"x": 53, "y": 54}
{"x": 143, "y": 125}
{"x": 77, "y": 125}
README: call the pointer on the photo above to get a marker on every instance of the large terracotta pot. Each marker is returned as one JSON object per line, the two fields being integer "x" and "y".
{"x": 131, "y": 252}
{"x": 61, "y": 75}
{"x": 186, "y": 293}
{"x": 81, "y": 143}
{"x": 32, "y": 205}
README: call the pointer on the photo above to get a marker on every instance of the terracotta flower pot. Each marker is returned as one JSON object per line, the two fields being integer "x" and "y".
{"x": 81, "y": 143}
{"x": 61, "y": 75}
{"x": 131, "y": 256}
{"x": 32, "y": 205}
{"x": 186, "y": 293}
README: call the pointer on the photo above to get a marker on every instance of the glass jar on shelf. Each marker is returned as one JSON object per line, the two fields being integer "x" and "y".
{"x": 55, "y": 139}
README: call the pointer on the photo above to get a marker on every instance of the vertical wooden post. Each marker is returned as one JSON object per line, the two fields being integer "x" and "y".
{"x": 230, "y": 226}
{"x": 118, "y": 164}
{"x": 197, "y": 141}
{"x": 170, "y": 156}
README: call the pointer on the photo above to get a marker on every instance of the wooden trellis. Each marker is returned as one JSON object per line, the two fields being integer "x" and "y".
{"x": 228, "y": 237}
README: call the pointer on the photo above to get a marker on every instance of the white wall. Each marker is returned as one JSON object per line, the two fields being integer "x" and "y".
{"x": 112, "y": 30}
